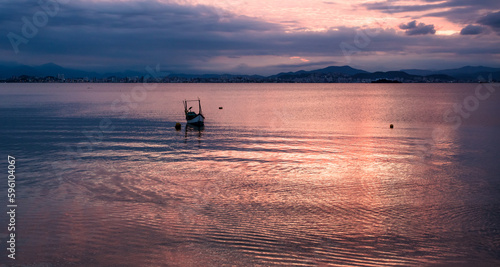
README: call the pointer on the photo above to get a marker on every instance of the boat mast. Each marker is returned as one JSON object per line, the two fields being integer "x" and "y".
{"x": 199, "y": 105}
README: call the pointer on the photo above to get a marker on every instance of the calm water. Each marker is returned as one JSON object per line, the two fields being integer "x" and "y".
{"x": 284, "y": 174}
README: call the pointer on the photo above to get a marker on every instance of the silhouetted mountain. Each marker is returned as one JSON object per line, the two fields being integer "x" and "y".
{"x": 328, "y": 74}
{"x": 385, "y": 75}
{"x": 419, "y": 72}
{"x": 468, "y": 70}
{"x": 9, "y": 70}
{"x": 468, "y": 73}
{"x": 49, "y": 69}
{"x": 363, "y": 76}
{"x": 440, "y": 77}
{"x": 403, "y": 77}
{"x": 344, "y": 70}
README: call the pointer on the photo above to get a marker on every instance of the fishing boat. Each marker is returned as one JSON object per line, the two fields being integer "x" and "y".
{"x": 191, "y": 116}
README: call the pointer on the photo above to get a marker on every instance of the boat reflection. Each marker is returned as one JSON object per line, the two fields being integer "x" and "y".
{"x": 197, "y": 129}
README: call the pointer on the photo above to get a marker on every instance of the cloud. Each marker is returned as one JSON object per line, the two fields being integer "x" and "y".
{"x": 410, "y": 25}
{"x": 457, "y": 11}
{"x": 133, "y": 34}
{"x": 492, "y": 20}
{"x": 400, "y": 6}
{"x": 412, "y": 28}
{"x": 391, "y": 6}
{"x": 472, "y": 30}
{"x": 300, "y": 58}
{"x": 114, "y": 33}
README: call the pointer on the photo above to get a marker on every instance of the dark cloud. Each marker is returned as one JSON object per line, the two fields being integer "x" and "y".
{"x": 410, "y": 25}
{"x": 472, "y": 30}
{"x": 131, "y": 35}
{"x": 458, "y": 11}
{"x": 133, "y": 32}
{"x": 412, "y": 28}
{"x": 462, "y": 15}
{"x": 393, "y": 6}
{"x": 492, "y": 20}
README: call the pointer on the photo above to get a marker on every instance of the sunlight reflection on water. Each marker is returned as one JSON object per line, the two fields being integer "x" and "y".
{"x": 284, "y": 174}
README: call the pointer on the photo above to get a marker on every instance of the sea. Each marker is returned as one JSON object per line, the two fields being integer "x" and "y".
{"x": 280, "y": 175}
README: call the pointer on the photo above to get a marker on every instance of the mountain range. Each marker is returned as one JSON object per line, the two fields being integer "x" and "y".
{"x": 332, "y": 74}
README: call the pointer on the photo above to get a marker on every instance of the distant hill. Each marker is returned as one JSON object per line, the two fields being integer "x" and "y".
{"x": 464, "y": 73}
{"x": 328, "y": 74}
{"x": 419, "y": 72}
{"x": 345, "y": 70}
{"x": 49, "y": 69}
{"x": 403, "y": 76}
{"x": 440, "y": 77}
{"x": 468, "y": 70}
{"x": 385, "y": 75}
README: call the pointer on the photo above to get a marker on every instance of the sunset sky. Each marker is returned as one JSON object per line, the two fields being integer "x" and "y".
{"x": 251, "y": 37}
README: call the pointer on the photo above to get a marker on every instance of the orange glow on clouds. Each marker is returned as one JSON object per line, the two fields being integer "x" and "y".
{"x": 302, "y": 59}
{"x": 320, "y": 15}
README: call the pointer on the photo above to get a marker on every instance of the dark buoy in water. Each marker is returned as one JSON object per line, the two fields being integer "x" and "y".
{"x": 220, "y": 107}
{"x": 391, "y": 126}
{"x": 178, "y": 126}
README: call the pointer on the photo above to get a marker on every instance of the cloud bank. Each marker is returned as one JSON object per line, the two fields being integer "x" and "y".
{"x": 472, "y": 30}
{"x": 189, "y": 38}
{"x": 412, "y": 28}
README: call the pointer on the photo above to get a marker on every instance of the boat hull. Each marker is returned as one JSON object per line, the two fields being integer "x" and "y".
{"x": 198, "y": 120}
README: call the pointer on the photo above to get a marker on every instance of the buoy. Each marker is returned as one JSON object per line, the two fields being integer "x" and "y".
{"x": 220, "y": 107}
{"x": 178, "y": 126}
{"x": 391, "y": 126}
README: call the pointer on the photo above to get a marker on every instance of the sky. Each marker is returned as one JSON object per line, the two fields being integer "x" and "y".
{"x": 250, "y": 37}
